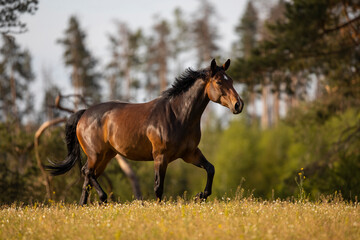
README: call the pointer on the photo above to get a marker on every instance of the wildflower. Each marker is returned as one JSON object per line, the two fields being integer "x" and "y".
{"x": 301, "y": 169}
{"x": 300, "y": 173}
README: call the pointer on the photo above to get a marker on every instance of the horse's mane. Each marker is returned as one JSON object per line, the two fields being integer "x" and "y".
{"x": 184, "y": 82}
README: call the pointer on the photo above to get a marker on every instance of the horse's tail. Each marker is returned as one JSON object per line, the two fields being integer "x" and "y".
{"x": 73, "y": 147}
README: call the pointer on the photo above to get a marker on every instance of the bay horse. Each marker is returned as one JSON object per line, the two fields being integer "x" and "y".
{"x": 162, "y": 130}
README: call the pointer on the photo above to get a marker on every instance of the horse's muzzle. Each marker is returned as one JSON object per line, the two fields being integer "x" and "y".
{"x": 238, "y": 107}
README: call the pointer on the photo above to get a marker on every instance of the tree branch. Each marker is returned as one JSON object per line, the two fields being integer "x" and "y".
{"x": 129, "y": 172}
{"x": 336, "y": 28}
{"x": 38, "y": 133}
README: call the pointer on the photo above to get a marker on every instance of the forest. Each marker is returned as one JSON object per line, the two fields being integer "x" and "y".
{"x": 297, "y": 69}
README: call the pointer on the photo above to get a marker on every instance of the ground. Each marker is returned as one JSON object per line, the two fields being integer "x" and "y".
{"x": 226, "y": 218}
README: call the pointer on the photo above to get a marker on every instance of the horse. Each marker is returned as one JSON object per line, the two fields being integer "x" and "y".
{"x": 162, "y": 130}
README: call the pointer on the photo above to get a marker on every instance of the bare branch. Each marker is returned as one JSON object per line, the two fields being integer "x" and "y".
{"x": 130, "y": 174}
{"x": 39, "y": 132}
{"x": 69, "y": 110}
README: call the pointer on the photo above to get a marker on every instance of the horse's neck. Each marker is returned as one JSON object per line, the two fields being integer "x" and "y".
{"x": 190, "y": 105}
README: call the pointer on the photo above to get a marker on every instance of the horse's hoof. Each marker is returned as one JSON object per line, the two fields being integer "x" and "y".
{"x": 200, "y": 197}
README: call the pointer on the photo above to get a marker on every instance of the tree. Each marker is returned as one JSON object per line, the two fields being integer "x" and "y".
{"x": 312, "y": 37}
{"x": 180, "y": 38}
{"x": 162, "y": 30}
{"x": 205, "y": 33}
{"x": 84, "y": 77}
{"x": 247, "y": 31}
{"x": 321, "y": 38}
{"x": 277, "y": 77}
{"x": 15, "y": 76}
{"x": 51, "y": 94}
{"x": 158, "y": 53}
{"x": 124, "y": 57}
{"x": 10, "y": 11}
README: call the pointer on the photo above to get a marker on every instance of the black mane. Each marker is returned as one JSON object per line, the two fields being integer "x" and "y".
{"x": 184, "y": 82}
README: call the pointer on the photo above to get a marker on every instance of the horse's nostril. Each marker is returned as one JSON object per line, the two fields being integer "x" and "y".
{"x": 237, "y": 105}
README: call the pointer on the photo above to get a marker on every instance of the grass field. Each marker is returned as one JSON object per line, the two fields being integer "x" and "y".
{"x": 246, "y": 218}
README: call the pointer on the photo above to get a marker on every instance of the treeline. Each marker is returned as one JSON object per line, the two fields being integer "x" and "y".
{"x": 304, "y": 46}
{"x": 299, "y": 71}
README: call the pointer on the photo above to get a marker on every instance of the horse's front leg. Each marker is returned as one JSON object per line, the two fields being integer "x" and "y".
{"x": 160, "y": 165}
{"x": 198, "y": 159}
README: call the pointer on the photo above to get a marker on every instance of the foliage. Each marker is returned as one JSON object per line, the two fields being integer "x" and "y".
{"x": 331, "y": 146}
{"x": 247, "y": 29}
{"x": 84, "y": 76}
{"x": 270, "y": 159}
{"x": 15, "y": 76}
{"x": 124, "y": 57}
{"x": 261, "y": 158}
{"x": 205, "y": 32}
{"x": 10, "y": 11}
{"x": 18, "y": 171}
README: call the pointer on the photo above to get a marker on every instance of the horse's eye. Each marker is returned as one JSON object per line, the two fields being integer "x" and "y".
{"x": 218, "y": 82}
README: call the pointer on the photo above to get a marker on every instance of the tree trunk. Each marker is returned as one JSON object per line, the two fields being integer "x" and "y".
{"x": 76, "y": 82}
{"x": 128, "y": 83}
{"x": 253, "y": 104}
{"x": 265, "y": 111}
{"x": 112, "y": 84}
{"x": 162, "y": 74}
{"x": 276, "y": 108}
{"x": 14, "y": 109}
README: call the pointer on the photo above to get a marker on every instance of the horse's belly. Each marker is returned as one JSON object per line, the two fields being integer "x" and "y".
{"x": 127, "y": 134}
{"x": 137, "y": 149}
{"x": 134, "y": 154}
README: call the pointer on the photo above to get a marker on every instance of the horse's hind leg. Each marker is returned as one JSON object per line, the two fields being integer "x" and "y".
{"x": 96, "y": 168}
{"x": 86, "y": 186}
{"x": 90, "y": 181}
{"x": 99, "y": 190}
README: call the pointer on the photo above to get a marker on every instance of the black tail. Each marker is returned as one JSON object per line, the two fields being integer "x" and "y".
{"x": 73, "y": 147}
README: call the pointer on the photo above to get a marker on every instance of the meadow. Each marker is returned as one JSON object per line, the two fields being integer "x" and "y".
{"x": 245, "y": 218}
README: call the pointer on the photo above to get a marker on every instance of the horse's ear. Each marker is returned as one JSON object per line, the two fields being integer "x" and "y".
{"x": 213, "y": 67}
{"x": 226, "y": 65}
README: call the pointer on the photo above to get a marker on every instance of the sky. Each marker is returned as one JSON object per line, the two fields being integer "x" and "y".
{"x": 97, "y": 20}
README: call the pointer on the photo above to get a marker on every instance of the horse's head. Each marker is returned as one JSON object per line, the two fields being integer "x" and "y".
{"x": 220, "y": 89}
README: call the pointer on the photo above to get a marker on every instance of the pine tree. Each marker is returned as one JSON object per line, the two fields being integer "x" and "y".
{"x": 10, "y": 11}
{"x": 319, "y": 37}
{"x": 205, "y": 33}
{"x": 277, "y": 77}
{"x": 15, "y": 76}
{"x": 180, "y": 39}
{"x": 247, "y": 31}
{"x": 124, "y": 57}
{"x": 158, "y": 54}
{"x": 84, "y": 77}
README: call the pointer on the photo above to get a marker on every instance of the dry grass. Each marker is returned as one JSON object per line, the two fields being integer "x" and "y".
{"x": 226, "y": 219}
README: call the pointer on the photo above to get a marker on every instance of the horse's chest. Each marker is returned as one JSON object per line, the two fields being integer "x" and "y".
{"x": 183, "y": 142}
{"x": 174, "y": 141}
